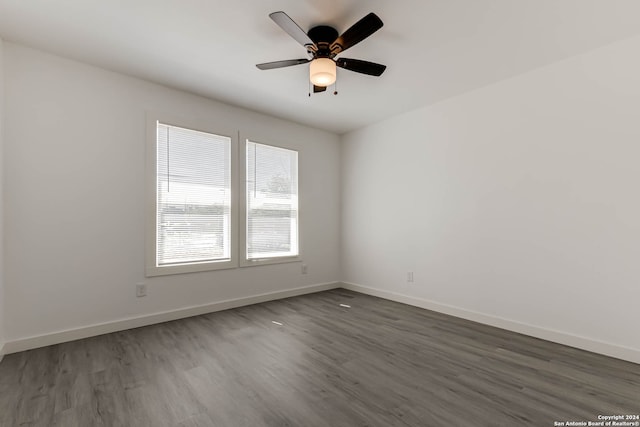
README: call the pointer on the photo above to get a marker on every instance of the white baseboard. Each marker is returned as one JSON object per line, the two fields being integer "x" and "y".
{"x": 595, "y": 346}
{"x": 150, "y": 319}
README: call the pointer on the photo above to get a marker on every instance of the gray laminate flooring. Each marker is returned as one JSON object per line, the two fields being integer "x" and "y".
{"x": 377, "y": 363}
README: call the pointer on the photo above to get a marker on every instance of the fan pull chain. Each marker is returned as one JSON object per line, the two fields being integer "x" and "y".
{"x": 335, "y": 86}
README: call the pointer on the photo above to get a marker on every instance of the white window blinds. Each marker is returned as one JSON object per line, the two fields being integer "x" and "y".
{"x": 272, "y": 202}
{"x": 193, "y": 196}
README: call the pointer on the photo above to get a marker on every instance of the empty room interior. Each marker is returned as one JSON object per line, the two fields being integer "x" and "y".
{"x": 320, "y": 213}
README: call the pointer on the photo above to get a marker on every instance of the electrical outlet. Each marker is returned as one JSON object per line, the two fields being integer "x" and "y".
{"x": 141, "y": 290}
{"x": 410, "y": 276}
{"x": 304, "y": 269}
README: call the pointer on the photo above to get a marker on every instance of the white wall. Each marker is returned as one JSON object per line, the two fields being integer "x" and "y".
{"x": 74, "y": 193}
{"x": 2, "y": 335}
{"x": 516, "y": 204}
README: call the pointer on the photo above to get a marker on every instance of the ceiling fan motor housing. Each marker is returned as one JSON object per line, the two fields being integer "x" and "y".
{"x": 323, "y": 36}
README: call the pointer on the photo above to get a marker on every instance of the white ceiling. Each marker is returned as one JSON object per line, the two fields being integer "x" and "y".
{"x": 434, "y": 49}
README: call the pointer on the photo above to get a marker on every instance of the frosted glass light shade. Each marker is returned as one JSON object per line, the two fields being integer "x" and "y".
{"x": 322, "y": 72}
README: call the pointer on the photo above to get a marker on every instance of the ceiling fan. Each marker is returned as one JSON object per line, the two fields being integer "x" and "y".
{"x": 323, "y": 45}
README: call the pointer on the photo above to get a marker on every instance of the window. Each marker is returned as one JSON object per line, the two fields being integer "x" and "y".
{"x": 198, "y": 216}
{"x": 193, "y": 224}
{"x": 271, "y": 204}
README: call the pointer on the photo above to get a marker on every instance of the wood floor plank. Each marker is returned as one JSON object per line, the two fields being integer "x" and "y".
{"x": 310, "y": 361}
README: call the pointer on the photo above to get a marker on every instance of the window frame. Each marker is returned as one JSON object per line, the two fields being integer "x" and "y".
{"x": 242, "y": 211}
{"x": 151, "y": 266}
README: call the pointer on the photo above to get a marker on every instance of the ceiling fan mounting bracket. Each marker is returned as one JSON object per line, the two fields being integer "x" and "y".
{"x": 323, "y": 34}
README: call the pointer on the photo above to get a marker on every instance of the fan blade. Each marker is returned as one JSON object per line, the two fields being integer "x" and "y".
{"x": 358, "y": 32}
{"x": 290, "y": 27}
{"x": 359, "y": 66}
{"x": 317, "y": 89}
{"x": 280, "y": 64}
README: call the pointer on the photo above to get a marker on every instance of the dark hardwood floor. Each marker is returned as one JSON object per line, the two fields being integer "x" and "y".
{"x": 377, "y": 363}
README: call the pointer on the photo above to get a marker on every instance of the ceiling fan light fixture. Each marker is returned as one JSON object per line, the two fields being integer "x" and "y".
{"x": 322, "y": 72}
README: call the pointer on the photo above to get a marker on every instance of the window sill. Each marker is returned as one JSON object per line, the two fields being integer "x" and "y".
{"x": 152, "y": 271}
{"x": 269, "y": 261}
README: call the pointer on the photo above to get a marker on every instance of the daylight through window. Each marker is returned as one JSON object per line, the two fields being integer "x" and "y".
{"x": 271, "y": 202}
{"x": 193, "y": 223}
